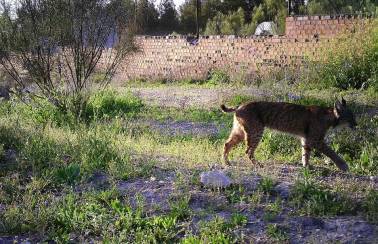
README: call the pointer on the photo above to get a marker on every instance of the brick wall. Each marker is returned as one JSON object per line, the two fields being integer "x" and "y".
{"x": 173, "y": 57}
{"x": 321, "y": 26}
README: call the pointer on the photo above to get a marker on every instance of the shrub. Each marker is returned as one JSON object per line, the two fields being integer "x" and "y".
{"x": 218, "y": 77}
{"x": 352, "y": 61}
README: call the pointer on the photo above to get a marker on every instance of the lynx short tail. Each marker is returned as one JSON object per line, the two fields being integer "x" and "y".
{"x": 228, "y": 110}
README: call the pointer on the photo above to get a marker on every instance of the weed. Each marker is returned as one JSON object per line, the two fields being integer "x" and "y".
{"x": 313, "y": 199}
{"x": 266, "y": 185}
{"x": 276, "y": 232}
{"x": 236, "y": 194}
{"x": 180, "y": 208}
{"x": 69, "y": 174}
{"x": 370, "y": 206}
{"x": 272, "y": 210}
{"x": 218, "y": 77}
{"x": 352, "y": 61}
{"x": 238, "y": 219}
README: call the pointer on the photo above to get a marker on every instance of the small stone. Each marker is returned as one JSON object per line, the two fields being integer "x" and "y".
{"x": 283, "y": 189}
{"x": 215, "y": 179}
{"x": 152, "y": 178}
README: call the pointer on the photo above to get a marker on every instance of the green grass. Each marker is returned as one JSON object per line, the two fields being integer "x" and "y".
{"x": 45, "y": 191}
{"x": 311, "y": 198}
{"x": 276, "y": 232}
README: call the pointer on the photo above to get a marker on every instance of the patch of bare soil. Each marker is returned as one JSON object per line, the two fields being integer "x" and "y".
{"x": 182, "y": 128}
{"x": 181, "y": 97}
{"x": 159, "y": 190}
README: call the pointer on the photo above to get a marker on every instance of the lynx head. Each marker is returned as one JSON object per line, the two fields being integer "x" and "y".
{"x": 343, "y": 114}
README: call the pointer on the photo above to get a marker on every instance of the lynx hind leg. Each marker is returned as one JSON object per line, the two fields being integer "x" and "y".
{"x": 306, "y": 150}
{"x": 253, "y": 135}
{"x": 236, "y": 136}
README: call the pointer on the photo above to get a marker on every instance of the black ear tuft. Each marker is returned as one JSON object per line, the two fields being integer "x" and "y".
{"x": 343, "y": 101}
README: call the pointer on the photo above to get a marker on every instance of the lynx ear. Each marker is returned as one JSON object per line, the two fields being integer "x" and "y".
{"x": 338, "y": 104}
{"x": 337, "y": 108}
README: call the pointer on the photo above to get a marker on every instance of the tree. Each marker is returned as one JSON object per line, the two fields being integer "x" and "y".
{"x": 210, "y": 11}
{"x": 59, "y": 44}
{"x": 333, "y": 7}
{"x": 147, "y": 17}
{"x": 188, "y": 17}
{"x": 168, "y": 21}
{"x": 270, "y": 10}
{"x": 229, "y": 24}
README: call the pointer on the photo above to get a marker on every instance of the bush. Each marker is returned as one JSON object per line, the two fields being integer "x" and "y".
{"x": 352, "y": 62}
{"x": 218, "y": 77}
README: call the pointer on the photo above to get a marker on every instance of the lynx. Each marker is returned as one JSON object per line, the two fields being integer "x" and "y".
{"x": 309, "y": 123}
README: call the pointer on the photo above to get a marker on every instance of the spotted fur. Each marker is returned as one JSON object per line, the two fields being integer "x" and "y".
{"x": 309, "y": 123}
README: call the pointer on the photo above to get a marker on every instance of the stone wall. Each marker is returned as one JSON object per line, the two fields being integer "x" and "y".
{"x": 174, "y": 57}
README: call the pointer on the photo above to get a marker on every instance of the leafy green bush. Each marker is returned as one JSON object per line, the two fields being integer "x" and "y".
{"x": 229, "y": 24}
{"x": 218, "y": 77}
{"x": 352, "y": 61}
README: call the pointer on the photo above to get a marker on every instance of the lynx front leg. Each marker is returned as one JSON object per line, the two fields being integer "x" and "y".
{"x": 306, "y": 151}
{"x": 326, "y": 150}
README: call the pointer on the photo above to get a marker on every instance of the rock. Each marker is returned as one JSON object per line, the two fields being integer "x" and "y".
{"x": 215, "y": 179}
{"x": 283, "y": 189}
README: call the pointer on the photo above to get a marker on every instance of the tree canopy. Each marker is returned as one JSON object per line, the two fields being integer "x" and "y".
{"x": 233, "y": 16}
